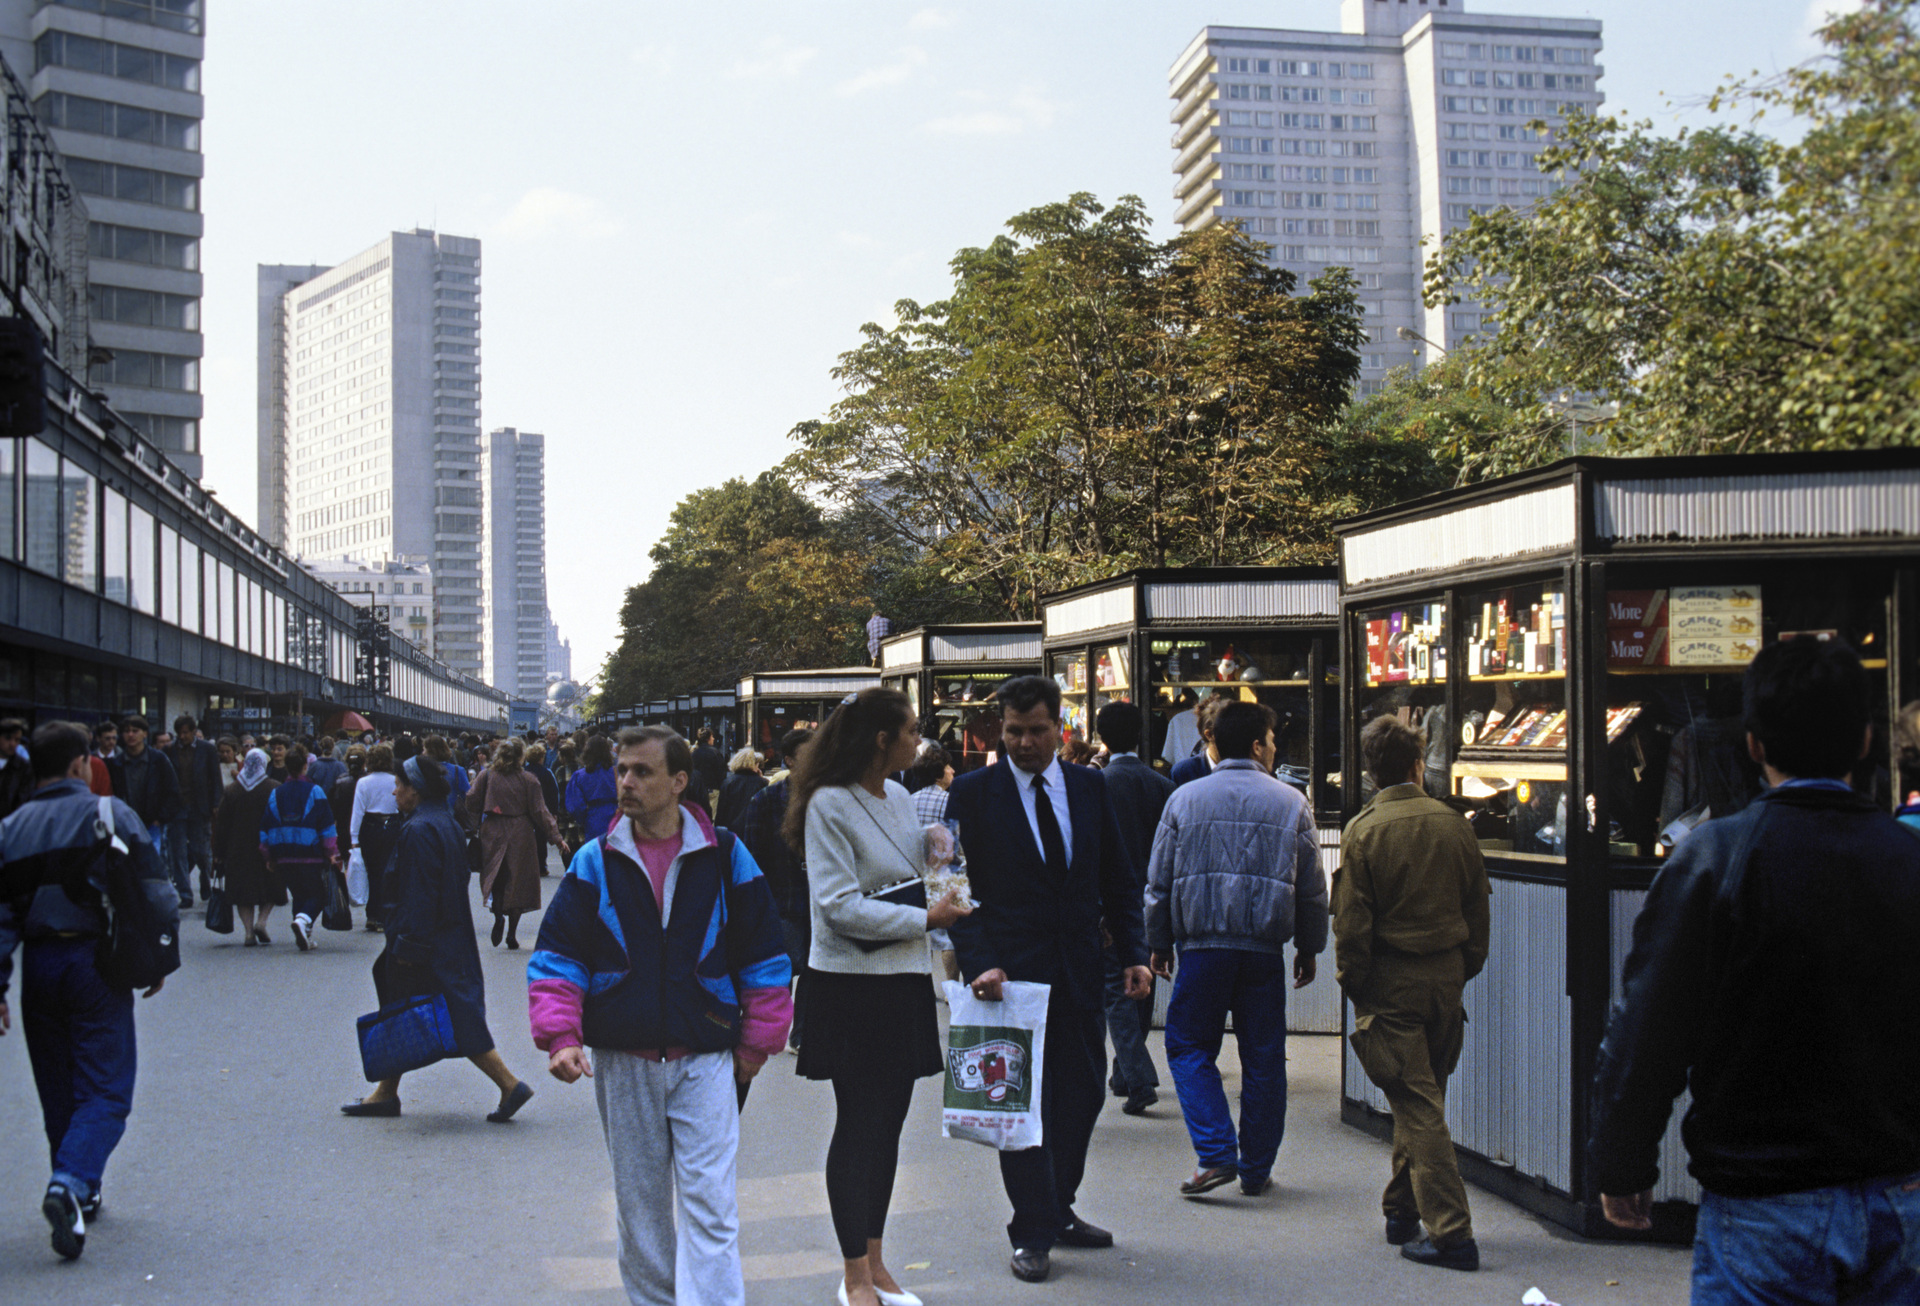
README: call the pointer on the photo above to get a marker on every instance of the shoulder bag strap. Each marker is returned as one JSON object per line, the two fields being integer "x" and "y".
{"x": 913, "y": 862}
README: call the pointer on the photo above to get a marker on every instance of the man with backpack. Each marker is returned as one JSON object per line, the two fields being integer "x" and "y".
{"x": 57, "y": 862}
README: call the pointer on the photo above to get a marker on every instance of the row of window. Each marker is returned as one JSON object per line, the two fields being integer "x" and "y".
{"x": 1506, "y": 107}
{"x": 1478, "y": 77}
{"x": 1330, "y": 253}
{"x": 117, "y": 181}
{"x": 1324, "y": 227}
{"x": 1300, "y": 68}
{"x": 1508, "y": 186}
{"x": 1293, "y": 199}
{"x": 1486, "y": 159}
{"x": 179, "y": 433}
{"x": 143, "y": 307}
{"x": 1296, "y": 172}
{"x": 163, "y": 249}
{"x": 130, "y": 63}
{"x": 1560, "y": 54}
{"x": 1297, "y": 94}
{"x": 77, "y": 113}
{"x": 154, "y": 371}
{"x": 1480, "y": 131}
{"x": 174, "y": 15}
{"x": 1297, "y": 121}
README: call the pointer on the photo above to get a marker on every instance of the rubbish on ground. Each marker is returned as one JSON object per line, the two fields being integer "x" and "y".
{"x": 1534, "y": 1297}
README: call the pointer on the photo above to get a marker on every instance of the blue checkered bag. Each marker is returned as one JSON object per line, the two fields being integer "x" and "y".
{"x": 408, "y": 1035}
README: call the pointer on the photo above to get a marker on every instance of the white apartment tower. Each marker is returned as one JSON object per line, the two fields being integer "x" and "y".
{"x": 377, "y": 423}
{"x": 118, "y": 84}
{"x": 515, "y": 582}
{"x": 1353, "y": 147}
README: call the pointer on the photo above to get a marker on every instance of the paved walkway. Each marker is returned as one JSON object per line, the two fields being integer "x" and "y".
{"x": 240, "y": 1182}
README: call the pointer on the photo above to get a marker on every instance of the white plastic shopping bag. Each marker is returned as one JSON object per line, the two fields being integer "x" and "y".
{"x": 995, "y": 1051}
{"x": 356, "y": 878}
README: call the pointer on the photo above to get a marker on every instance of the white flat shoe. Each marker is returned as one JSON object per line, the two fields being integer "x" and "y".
{"x": 886, "y": 1298}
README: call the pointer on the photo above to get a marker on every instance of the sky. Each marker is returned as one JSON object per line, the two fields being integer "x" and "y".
{"x": 688, "y": 211}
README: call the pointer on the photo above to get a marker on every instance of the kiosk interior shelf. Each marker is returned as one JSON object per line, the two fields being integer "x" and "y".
{"x": 952, "y": 676}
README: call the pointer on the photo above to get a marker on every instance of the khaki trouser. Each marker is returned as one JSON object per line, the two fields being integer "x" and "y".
{"x": 1408, "y": 1029}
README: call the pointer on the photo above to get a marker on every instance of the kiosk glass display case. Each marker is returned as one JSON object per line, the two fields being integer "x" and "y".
{"x": 770, "y": 703}
{"x": 1572, "y": 642}
{"x": 952, "y": 675}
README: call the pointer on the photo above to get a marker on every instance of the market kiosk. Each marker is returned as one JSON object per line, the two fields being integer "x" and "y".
{"x": 1571, "y": 641}
{"x": 951, "y": 675}
{"x": 1166, "y": 639}
{"x": 713, "y": 709}
{"x": 770, "y": 703}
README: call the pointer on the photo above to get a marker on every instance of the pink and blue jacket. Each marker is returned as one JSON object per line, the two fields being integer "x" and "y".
{"x": 612, "y": 971}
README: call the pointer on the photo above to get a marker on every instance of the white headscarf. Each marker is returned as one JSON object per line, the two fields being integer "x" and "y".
{"x": 254, "y": 769}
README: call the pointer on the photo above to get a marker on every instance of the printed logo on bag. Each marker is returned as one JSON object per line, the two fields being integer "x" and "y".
{"x": 993, "y": 1070}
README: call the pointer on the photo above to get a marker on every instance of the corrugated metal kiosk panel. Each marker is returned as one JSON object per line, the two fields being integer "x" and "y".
{"x": 1675, "y": 1183}
{"x": 987, "y": 646}
{"x": 1240, "y": 600}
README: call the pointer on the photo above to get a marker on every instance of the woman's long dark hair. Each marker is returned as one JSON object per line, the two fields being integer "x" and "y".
{"x": 840, "y": 752}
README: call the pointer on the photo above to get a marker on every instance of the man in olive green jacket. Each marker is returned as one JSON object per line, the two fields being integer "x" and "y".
{"x": 1410, "y": 924}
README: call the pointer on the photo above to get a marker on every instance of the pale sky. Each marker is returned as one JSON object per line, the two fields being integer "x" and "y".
{"x": 689, "y": 210}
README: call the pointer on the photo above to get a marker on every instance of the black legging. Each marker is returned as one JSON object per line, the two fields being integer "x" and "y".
{"x": 863, "y": 1156}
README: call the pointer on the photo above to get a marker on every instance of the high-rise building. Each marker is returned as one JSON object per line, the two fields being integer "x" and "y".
{"x": 559, "y": 653}
{"x": 118, "y": 84}
{"x": 515, "y": 584}
{"x": 377, "y": 425}
{"x": 403, "y": 586}
{"x": 270, "y": 397}
{"x": 1354, "y": 147}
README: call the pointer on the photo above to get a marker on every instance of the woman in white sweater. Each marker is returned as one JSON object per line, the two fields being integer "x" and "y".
{"x": 871, "y": 1027}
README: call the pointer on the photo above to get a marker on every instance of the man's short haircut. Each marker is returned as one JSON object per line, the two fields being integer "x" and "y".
{"x": 1024, "y": 693}
{"x": 1209, "y": 711}
{"x": 930, "y": 766}
{"x": 1809, "y": 704}
{"x": 792, "y": 742}
{"x": 101, "y": 728}
{"x": 11, "y": 726}
{"x": 297, "y": 759}
{"x": 326, "y": 745}
{"x": 281, "y": 740}
{"x": 135, "y": 722}
{"x": 183, "y": 722}
{"x": 56, "y": 746}
{"x": 1119, "y": 727}
{"x": 679, "y": 755}
{"x": 1390, "y": 748}
{"x": 1239, "y": 726}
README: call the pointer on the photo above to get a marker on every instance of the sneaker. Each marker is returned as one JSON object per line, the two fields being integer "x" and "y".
{"x": 1462, "y": 1255}
{"x": 303, "y": 932}
{"x": 92, "y": 1206}
{"x": 63, "y": 1213}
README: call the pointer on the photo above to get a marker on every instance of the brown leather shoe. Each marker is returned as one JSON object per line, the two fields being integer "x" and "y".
{"x": 1030, "y": 1265}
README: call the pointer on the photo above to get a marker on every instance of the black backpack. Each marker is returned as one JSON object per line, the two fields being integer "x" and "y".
{"x": 141, "y": 946}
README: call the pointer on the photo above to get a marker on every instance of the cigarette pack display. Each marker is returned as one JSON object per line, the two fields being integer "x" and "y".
{"x": 1727, "y": 624}
{"x": 1642, "y": 608}
{"x": 1619, "y": 718}
{"x": 1555, "y": 735}
{"x": 1713, "y": 652}
{"x": 1399, "y": 657}
{"x": 1716, "y": 598}
{"x": 1628, "y": 647}
{"x": 1376, "y": 651}
{"x": 1490, "y": 728}
{"x": 1521, "y": 728}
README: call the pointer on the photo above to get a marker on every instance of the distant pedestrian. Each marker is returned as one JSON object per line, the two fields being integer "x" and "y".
{"x": 340, "y": 792}
{"x": 278, "y": 746}
{"x": 106, "y": 743}
{"x": 1411, "y": 925}
{"x": 785, "y": 872}
{"x": 742, "y": 783}
{"x": 878, "y": 629}
{"x": 254, "y": 886}
{"x": 323, "y": 768}
{"x": 592, "y": 792}
{"x": 538, "y": 761}
{"x": 1202, "y": 761}
{"x": 1773, "y": 975}
{"x": 429, "y": 944}
{"x": 230, "y": 755}
{"x": 709, "y": 771}
{"x": 143, "y": 779}
{"x": 79, "y": 1028}
{"x": 515, "y": 829}
{"x": 301, "y": 843}
{"x": 196, "y": 765}
{"x": 373, "y": 827}
{"x": 1139, "y": 795}
{"x": 1235, "y": 877}
{"x": 681, "y": 1014}
{"x": 16, "y": 770}
{"x": 459, "y": 781}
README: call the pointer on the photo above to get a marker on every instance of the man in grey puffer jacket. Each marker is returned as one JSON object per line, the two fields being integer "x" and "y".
{"x": 1235, "y": 874}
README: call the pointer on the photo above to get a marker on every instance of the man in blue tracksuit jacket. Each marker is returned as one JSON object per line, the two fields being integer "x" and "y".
{"x": 79, "y": 1029}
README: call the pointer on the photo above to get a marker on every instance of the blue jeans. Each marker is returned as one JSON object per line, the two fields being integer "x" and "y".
{"x": 80, "y": 1040}
{"x": 1208, "y": 985}
{"x": 189, "y": 843}
{"x": 1127, "y": 1024}
{"x": 1854, "y": 1242}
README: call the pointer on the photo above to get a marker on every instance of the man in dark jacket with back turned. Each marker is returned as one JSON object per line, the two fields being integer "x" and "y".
{"x": 1139, "y": 795}
{"x": 143, "y": 779}
{"x": 1774, "y": 973}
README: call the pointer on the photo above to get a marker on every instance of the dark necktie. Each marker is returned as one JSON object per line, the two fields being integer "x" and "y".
{"x": 1050, "y": 841}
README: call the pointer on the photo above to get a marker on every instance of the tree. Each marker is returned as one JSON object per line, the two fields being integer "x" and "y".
{"x": 1726, "y": 291}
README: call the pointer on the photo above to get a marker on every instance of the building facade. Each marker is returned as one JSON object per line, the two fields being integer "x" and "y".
{"x": 377, "y": 425}
{"x": 117, "y": 83}
{"x": 515, "y": 585}
{"x": 272, "y": 283}
{"x": 401, "y": 586}
{"x": 559, "y": 654}
{"x": 1354, "y": 147}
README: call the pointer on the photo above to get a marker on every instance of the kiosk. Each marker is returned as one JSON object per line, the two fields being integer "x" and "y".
{"x": 1165, "y": 639}
{"x": 770, "y": 703}
{"x": 951, "y": 675}
{"x": 1572, "y": 640}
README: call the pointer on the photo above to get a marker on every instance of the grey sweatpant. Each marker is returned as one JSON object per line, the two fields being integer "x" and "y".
{"x": 679, "y": 1117}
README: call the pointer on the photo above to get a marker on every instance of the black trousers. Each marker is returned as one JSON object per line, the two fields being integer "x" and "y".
{"x": 864, "y": 1155}
{"x": 1043, "y": 1181}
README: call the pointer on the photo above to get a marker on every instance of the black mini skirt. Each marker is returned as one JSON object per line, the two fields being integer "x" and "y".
{"x": 868, "y": 1025}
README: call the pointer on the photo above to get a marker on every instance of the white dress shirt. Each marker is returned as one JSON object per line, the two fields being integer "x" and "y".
{"x": 1183, "y": 732}
{"x": 372, "y": 795}
{"x": 1055, "y": 781}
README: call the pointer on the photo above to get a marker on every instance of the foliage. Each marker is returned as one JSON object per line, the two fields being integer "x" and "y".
{"x": 1088, "y": 399}
{"x": 1726, "y": 291}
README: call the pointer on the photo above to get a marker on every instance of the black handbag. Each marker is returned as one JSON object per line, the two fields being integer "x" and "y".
{"x": 339, "y": 913}
{"x": 907, "y": 893}
{"x": 219, "y": 907}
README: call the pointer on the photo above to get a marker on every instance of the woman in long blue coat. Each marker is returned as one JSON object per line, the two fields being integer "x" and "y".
{"x": 430, "y": 946}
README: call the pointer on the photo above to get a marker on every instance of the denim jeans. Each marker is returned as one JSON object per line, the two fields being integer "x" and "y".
{"x": 1208, "y": 985}
{"x": 1853, "y": 1242}
{"x": 1127, "y": 1024}
{"x": 80, "y": 1041}
{"x": 189, "y": 844}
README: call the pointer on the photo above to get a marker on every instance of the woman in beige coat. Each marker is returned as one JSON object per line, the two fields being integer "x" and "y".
{"x": 515, "y": 827}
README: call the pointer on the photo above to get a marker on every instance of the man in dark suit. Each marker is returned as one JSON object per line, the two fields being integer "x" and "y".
{"x": 1139, "y": 795}
{"x": 196, "y": 765}
{"x": 1200, "y": 765}
{"x": 1049, "y": 871}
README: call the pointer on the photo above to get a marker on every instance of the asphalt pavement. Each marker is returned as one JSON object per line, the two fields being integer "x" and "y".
{"x": 239, "y": 1181}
